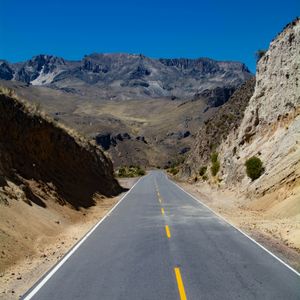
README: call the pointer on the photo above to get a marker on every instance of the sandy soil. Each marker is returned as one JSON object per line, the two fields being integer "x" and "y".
{"x": 33, "y": 239}
{"x": 281, "y": 235}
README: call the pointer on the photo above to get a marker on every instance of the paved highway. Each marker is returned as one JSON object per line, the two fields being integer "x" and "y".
{"x": 160, "y": 243}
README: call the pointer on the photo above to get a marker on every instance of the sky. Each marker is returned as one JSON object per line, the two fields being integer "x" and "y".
{"x": 222, "y": 30}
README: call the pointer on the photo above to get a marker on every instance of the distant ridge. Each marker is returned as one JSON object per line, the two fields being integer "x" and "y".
{"x": 127, "y": 76}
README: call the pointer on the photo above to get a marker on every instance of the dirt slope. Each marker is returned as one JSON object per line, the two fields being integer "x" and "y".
{"x": 34, "y": 147}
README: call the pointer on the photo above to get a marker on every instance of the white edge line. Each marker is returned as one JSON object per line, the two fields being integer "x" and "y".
{"x": 242, "y": 232}
{"x": 68, "y": 255}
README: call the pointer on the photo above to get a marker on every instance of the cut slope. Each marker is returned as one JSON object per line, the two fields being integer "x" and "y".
{"x": 34, "y": 147}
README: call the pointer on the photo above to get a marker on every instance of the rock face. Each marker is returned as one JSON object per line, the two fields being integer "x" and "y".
{"x": 48, "y": 161}
{"x": 270, "y": 130}
{"x": 128, "y": 76}
{"x": 215, "y": 97}
{"x": 271, "y": 126}
{"x": 106, "y": 140}
{"x": 216, "y": 129}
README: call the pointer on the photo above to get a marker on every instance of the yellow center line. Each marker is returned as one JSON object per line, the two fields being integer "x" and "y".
{"x": 168, "y": 231}
{"x": 162, "y": 211}
{"x": 180, "y": 284}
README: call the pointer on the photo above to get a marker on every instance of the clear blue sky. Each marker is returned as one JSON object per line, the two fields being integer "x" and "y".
{"x": 223, "y": 30}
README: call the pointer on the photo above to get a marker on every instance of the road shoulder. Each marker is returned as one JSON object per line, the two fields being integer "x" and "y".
{"x": 267, "y": 230}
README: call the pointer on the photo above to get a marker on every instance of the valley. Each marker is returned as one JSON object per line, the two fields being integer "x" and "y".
{"x": 70, "y": 129}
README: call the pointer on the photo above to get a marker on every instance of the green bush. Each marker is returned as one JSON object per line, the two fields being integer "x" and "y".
{"x": 140, "y": 172}
{"x": 214, "y": 157}
{"x": 254, "y": 167}
{"x": 131, "y": 171}
{"x": 215, "y": 168}
{"x": 215, "y": 163}
{"x": 173, "y": 171}
{"x": 202, "y": 170}
{"x": 122, "y": 172}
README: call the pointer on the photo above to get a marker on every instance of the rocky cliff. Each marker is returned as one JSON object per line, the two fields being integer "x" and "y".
{"x": 41, "y": 160}
{"x": 269, "y": 130}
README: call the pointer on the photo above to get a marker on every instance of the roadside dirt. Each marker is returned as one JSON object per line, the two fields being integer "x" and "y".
{"x": 33, "y": 239}
{"x": 278, "y": 234}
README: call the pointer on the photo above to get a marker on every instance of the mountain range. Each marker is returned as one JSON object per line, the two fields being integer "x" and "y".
{"x": 128, "y": 76}
{"x": 140, "y": 110}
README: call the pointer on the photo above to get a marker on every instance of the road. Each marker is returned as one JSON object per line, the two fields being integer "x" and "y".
{"x": 160, "y": 243}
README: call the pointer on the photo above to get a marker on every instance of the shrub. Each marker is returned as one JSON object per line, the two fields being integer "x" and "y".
{"x": 259, "y": 54}
{"x": 214, "y": 157}
{"x": 202, "y": 170}
{"x": 173, "y": 171}
{"x": 132, "y": 171}
{"x": 122, "y": 172}
{"x": 215, "y": 168}
{"x": 215, "y": 163}
{"x": 204, "y": 177}
{"x": 254, "y": 167}
{"x": 140, "y": 171}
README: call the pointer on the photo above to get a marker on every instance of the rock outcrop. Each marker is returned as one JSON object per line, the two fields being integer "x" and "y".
{"x": 48, "y": 161}
{"x": 271, "y": 125}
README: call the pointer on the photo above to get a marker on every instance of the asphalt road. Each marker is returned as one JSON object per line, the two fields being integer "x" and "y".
{"x": 159, "y": 243}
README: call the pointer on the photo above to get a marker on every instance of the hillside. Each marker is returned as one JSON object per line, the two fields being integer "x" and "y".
{"x": 34, "y": 147}
{"x": 216, "y": 128}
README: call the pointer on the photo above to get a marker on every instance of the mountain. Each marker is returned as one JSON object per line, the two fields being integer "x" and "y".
{"x": 127, "y": 76}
